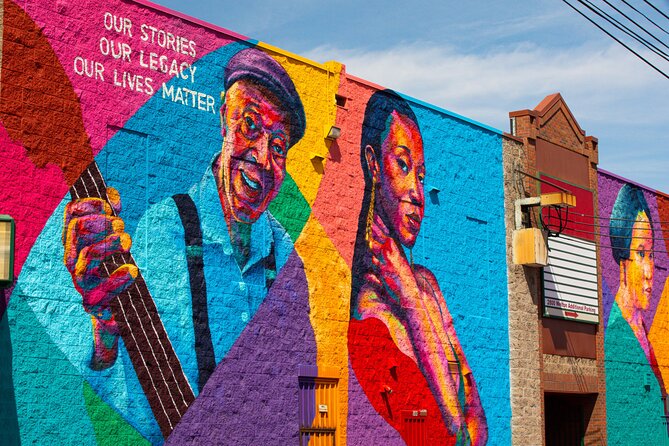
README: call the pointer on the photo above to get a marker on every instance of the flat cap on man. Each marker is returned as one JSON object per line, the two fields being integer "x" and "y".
{"x": 254, "y": 64}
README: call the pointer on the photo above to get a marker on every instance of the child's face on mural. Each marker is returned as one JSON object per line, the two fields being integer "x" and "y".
{"x": 401, "y": 200}
{"x": 255, "y": 144}
{"x": 641, "y": 264}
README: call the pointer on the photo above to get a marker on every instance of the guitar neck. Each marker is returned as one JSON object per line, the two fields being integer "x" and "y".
{"x": 156, "y": 364}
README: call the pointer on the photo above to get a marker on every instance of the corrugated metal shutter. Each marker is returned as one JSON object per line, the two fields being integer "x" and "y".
{"x": 318, "y": 411}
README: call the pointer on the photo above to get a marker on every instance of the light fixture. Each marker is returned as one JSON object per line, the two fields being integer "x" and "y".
{"x": 558, "y": 199}
{"x": 433, "y": 192}
{"x": 332, "y": 132}
{"x": 317, "y": 162}
{"x": 7, "y": 230}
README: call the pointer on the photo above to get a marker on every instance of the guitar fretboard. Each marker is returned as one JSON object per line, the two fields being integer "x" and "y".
{"x": 152, "y": 355}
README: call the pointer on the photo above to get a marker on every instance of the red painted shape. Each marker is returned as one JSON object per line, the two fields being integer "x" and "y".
{"x": 580, "y": 220}
{"x": 393, "y": 383}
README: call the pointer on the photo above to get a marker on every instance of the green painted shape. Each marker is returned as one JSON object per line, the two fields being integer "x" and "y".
{"x": 290, "y": 208}
{"x": 110, "y": 428}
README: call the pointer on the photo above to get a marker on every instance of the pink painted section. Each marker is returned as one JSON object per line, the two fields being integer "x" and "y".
{"x": 343, "y": 180}
{"x": 28, "y": 194}
{"x": 82, "y": 22}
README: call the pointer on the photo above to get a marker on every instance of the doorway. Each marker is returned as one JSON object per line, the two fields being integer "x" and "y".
{"x": 567, "y": 417}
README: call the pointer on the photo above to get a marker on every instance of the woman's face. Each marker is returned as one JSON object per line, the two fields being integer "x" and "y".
{"x": 400, "y": 199}
{"x": 641, "y": 264}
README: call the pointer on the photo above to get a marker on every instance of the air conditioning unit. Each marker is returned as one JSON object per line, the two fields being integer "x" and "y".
{"x": 529, "y": 247}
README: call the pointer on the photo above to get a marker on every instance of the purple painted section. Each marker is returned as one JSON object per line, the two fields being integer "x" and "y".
{"x": 609, "y": 185}
{"x": 252, "y": 396}
{"x": 307, "y": 401}
{"x": 365, "y": 426}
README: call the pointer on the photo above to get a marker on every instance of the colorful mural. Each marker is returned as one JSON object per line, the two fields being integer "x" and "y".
{"x": 634, "y": 281}
{"x": 398, "y": 304}
{"x": 196, "y": 262}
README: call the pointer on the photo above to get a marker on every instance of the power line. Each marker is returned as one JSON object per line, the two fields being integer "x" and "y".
{"x": 583, "y": 231}
{"x": 601, "y": 13}
{"x": 616, "y": 39}
{"x": 655, "y": 8}
{"x": 614, "y": 247}
{"x": 654, "y": 225}
{"x": 635, "y": 23}
{"x": 582, "y": 223}
{"x": 661, "y": 222}
{"x": 646, "y": 17}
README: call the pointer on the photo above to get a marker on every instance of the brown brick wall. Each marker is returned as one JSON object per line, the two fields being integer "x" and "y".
{"x": 551, "y": 122}
{"x": 525, "y": 357}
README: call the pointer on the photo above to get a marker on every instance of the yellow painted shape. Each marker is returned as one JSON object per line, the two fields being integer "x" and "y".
{"x": 558, "y": 199}
{"x": 317, "y": 85}
{"x": 329, "y": 280}
{"x": 659, "y": 334}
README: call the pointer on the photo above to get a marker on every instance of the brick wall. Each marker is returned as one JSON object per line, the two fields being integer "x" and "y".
{"x": 524, "y": 295}
{"x": 558, "y": 148}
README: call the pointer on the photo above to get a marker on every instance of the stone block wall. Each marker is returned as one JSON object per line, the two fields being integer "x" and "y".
{"x": 197, "y": 263}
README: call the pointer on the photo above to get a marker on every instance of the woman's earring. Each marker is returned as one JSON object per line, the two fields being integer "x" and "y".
{"x": 370, "y": 212}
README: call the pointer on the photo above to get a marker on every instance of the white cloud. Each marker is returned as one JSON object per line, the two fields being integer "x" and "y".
{"x": 487, "y": 86}
{"x": 612, "y": 94}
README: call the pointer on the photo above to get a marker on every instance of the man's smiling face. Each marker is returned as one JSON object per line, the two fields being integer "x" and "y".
{"x": 256, "y": 136}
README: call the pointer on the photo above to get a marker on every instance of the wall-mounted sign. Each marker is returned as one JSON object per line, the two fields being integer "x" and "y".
{"x": 570, "y": 280}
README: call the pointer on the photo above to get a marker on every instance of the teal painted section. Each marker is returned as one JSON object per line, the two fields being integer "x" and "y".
{"x": 462, "y": 239}
{"x": 633, "y": 396}
{"x": 9, "y": 434}
{"x": 49, "y": 388}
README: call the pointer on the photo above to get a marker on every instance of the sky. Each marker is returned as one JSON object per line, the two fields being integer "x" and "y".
{"x": 480, "y": 59}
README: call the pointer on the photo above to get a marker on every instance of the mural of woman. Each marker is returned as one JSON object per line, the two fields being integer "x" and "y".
{"x": 403, "y": 347}
{"x": 629, "y": 355}
{"x": 631, "y": 235}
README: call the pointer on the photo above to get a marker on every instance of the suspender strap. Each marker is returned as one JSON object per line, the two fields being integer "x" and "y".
{"x": 204, "y": 348}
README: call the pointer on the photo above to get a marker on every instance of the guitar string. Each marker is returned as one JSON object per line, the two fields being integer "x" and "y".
{"x": 83, "y": 183}
{"x": 125, "y": 316}
{"x": 141, "y": 322}
{"x": 151, "y": 320}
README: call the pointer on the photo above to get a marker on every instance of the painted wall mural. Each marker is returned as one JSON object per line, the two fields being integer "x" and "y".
{"x": 196, "y": 262}
{"x": 398, "y": 303}
{"x": 634, "y": 280}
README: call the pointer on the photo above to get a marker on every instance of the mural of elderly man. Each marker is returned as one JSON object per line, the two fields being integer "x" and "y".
{"x": 630, "y": 357}
{"x": 211, "y": 254}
